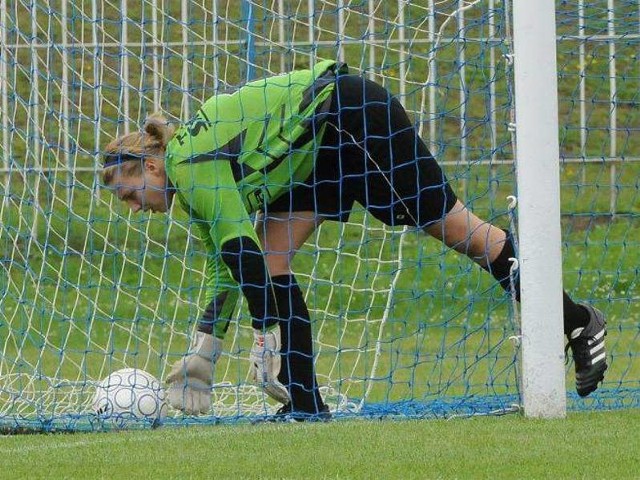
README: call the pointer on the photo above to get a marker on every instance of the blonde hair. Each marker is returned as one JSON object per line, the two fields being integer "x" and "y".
{"x": 150, "y": 141}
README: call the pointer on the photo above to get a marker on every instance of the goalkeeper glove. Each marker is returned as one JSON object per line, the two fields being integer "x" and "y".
{"x": 265, "y": 364}
{"x": 191, "y": 377}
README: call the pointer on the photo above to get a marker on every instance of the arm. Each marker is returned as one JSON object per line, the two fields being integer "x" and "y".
{"x": 221, "y": 295}
{"x": 234, "y": 254}
{"x": 228, "y": 234}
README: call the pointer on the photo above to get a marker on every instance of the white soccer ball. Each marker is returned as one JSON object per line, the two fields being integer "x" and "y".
{"x": 128, "y": 396}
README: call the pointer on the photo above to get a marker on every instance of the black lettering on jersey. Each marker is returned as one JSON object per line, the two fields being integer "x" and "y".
{"x": 257, "y": 197}
{"x": 198, "y": 123}
{"x": 180, "y": 136}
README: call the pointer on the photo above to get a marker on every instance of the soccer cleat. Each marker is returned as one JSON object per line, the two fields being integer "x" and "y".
{"x": 285, "y": 414}
{"x": 589, "y": 356}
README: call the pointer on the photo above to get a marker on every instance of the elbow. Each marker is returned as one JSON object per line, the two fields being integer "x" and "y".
{"x": 245, "y": 260}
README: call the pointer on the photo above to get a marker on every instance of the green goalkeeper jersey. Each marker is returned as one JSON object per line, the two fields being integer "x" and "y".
{"x": 245, "y": 149}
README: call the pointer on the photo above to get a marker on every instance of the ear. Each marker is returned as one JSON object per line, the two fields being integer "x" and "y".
{"x": 154, "y": 166}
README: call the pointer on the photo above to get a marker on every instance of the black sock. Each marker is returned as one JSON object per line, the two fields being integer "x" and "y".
{"x": 575, "y": 316}
{"x": 297, "y": 372}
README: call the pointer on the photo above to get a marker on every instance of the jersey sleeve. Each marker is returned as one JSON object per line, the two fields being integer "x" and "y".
{"x": 220, "y": 284}
{"x": 210, "y": 196}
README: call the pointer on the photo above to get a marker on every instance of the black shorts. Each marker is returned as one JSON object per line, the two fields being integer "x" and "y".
{"x": 372, "y": 154}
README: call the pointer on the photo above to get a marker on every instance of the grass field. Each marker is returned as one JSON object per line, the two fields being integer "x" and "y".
{"x": 585, "y": 445}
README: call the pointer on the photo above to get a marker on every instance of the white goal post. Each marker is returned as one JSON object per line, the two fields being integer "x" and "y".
{"x": 538, "y": 179}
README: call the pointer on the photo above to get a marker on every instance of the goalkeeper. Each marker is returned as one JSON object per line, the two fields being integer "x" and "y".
{"x": 298, "y": 149}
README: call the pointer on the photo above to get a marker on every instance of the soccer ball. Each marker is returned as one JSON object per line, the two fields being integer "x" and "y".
{"x": 129, "y": 396}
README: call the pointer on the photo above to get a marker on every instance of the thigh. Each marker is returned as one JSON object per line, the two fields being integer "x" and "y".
{"x": 282, "y": 234}
{"x": 325, "y": 193}
{"x": 400, "y": 182}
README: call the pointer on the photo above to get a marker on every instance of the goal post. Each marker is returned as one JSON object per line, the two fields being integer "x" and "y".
{"x": 538, "y": 205}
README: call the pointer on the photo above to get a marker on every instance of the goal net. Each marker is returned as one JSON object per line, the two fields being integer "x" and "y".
{"x": 402, "y": 326}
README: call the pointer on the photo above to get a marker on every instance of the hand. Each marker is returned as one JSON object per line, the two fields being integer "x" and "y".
{"x": 191, "y": 377}
{"x": 265, "y": 364}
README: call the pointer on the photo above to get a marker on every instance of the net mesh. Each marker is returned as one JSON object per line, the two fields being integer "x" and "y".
{"x": 402, "y": 326}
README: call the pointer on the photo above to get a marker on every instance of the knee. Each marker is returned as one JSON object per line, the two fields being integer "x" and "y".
{"x": 278, "y": 264}
{"x": 462, "y": 231}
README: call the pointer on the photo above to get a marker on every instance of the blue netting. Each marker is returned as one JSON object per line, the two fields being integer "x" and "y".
{"x": 399, "y": 321}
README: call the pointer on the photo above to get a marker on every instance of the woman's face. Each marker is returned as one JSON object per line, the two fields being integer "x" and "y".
{"x": 145, "y": 192}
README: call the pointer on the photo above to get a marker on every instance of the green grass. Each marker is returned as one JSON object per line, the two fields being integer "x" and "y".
{"x": 585, "y": 445}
